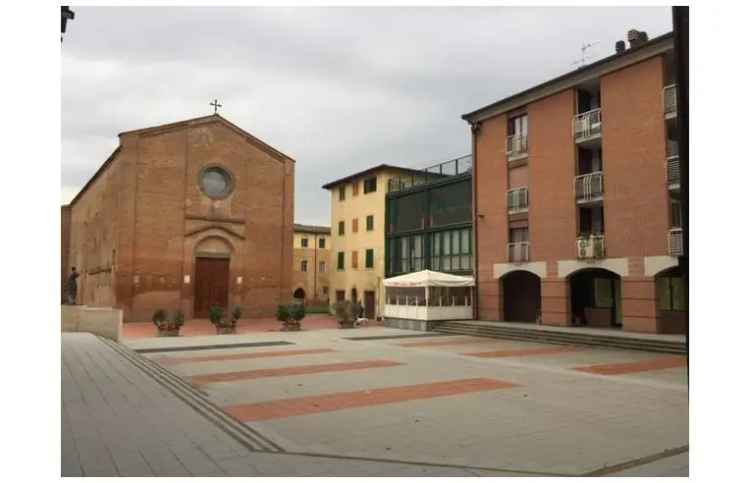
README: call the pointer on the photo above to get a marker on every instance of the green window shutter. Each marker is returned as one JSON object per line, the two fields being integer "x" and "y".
{"x": 369, "y": 258}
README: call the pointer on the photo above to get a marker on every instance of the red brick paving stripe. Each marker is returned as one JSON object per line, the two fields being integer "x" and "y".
{"x": 637, "y": 366}
{"x": 539, "y": 351}
{"x": 166, "y": 360}
{"x": 284, "y": 408}
{"x": 290, "y": 371}
{"x": 434, "y": 343}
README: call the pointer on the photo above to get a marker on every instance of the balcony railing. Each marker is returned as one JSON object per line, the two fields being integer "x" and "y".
{"x": 518, "y": 252}
{"x": 587, "y": 124}
{"x": 516, "y": 146}
{"x": 674, "y": 242}
{"x": 518, "y": 200}
{"x": 589, "y": 187}
{"x": 673, "y": 172}
{"x": 670, "y": 99}
{"x": 590, "y": 246}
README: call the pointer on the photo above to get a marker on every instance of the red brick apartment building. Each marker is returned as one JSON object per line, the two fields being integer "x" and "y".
{"x": 576, "y": 187}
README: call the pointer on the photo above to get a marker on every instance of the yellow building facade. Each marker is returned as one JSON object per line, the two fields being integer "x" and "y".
{"x": 358, "y": 237}
{"x": 312, "y": 264}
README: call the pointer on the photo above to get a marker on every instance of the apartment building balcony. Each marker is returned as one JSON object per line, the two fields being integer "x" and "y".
{"x": 587, "y": 126}
{"x": 590, "y": 246}
{"x": 518, "y": 201}
{"x": 670, "y": 101}
{"x": 518, "y": 252}
{"x": 589, "y": 187}
{"x": 439, "y": 172}
{"x": 516, "y": 147}
{"x": 674, "y": 242}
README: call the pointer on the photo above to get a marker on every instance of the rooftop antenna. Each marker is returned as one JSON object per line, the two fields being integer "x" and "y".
{"x": 584, "y": 47}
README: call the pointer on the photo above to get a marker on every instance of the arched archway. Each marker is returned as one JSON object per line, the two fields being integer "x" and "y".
{"x": 670, "y": 302}
{"x": 522, "y": 296}
{"x": 299, "y": 294}
{"x": 595, "y": 298}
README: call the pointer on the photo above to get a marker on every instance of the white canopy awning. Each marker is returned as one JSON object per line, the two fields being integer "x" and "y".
{"x": 428, "y": 278}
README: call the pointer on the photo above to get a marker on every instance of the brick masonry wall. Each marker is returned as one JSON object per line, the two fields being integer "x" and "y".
{"x": 149, "y": 208}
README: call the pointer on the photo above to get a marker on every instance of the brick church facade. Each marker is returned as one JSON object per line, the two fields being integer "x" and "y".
{"x": 184, "y": 215}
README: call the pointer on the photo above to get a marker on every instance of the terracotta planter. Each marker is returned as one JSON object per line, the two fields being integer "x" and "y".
{"x": 292, "y": 326}
{"x": 346, "y": 324}
{"x": 225, "y": 330}
{"x": 169, "y": 332}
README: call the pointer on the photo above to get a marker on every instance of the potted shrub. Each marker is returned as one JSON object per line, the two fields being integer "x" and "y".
{"x": 236, "y": 314}
{"x": 217, "y": 317}
{"x": 290, "y": 316}
{"x": 346, "y": 314}
{"x": 164, "y": 326}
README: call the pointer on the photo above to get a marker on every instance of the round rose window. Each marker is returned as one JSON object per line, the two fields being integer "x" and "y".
{"x": 216, "y": 182}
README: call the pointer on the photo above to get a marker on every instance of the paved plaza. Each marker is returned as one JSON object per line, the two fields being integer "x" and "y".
{"x": 369, "y": 402}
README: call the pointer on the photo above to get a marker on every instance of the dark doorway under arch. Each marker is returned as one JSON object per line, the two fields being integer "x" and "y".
{"x": 522, "y": 296}
{"x": 299, "y": 294}
{"x": 595, "y": 298}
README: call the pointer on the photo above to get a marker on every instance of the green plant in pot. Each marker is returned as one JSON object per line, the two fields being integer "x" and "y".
{"x": 236, "y": 315}
{"x": 291, "y": 316}
{"x": 346, "y": 314}
{"x": 164, "y": 326}
{"x": 217, "y": 317}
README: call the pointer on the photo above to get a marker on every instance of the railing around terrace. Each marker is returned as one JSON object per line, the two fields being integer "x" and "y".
{"x": 454, "y": 167}
{"x": 589, "y": 186}
{"x": 518, "y": 252}
{"x": 516, "y": 146}
{"x": 587, "y": 124}
{"x": 674, "y": 242}
{"x": 670, "y": 99}
{"x": 673, "y": 171}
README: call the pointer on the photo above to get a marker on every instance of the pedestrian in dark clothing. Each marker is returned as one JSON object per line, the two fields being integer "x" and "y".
{"x": 71, "y": 287}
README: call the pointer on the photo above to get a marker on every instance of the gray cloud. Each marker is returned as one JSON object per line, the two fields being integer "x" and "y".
{"x": 339, "y": 89}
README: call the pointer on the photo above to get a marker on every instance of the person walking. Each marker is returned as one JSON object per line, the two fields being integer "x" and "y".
{"x": 71, "y": 287}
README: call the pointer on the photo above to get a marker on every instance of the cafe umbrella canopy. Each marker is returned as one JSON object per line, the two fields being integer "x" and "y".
{"x": 429, "y": 296}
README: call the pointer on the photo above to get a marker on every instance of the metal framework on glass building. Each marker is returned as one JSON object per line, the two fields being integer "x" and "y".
{"x": 428, "y": 220}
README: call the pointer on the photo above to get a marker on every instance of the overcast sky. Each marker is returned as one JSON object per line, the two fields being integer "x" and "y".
{"x": 338, "y": 89}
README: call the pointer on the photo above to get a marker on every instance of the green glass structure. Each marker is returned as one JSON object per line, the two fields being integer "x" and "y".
{"x": 428, "y": 220}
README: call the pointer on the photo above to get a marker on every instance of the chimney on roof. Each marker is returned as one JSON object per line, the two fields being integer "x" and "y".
{"x": 620, "y": 46}
{"x": 637, "y": 37}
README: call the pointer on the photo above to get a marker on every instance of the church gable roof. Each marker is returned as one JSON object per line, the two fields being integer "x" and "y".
{"x": 211, "y": 119}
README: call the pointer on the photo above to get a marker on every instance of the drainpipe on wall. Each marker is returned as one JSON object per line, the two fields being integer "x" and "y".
{"x": 475, "y": 127}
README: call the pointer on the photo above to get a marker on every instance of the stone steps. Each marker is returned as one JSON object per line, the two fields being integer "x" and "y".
{"x": 241, "y": 432}
{"x": 565, "y": 338}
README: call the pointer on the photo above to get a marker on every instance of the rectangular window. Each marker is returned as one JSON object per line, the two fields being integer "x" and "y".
{"x": 355, "y": 259}
{"x": 676, "y": 213}
{"x": 303, "y": 266}
{"x": 341, "y": 228}
{"x": 340, "y": 261}
{"x": 370, "y": 222}
{"x": 371, "y": 184}
{"x": 322, "y": 267}
{"x": 355, "y": 188}
{"x": 342, "y": 193}
{"x": 519, "y": 235}
{"x": 369, "y": 258}
{"x": 355, "y": 225}
{"x": 670, "y": 293}
{"x": 321, "y": 242}
{"x": 518, "y": 125}
{"x": 304, "y": 243}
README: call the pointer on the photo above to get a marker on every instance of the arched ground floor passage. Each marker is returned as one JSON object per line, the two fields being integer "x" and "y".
{"x": 595, "y": 298}
{"x": 299, "y": 294}
{"x": 521, "y": 292}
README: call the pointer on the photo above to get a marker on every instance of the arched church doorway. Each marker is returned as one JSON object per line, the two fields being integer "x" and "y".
{"x": 522, "y": 296}
{"x": 212, "y": 257}
{"x": 595, "y": 298}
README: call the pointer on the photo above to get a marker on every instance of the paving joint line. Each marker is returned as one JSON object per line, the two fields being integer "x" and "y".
{"x": 606, "y": 470}
{"x": 188, "y": 348}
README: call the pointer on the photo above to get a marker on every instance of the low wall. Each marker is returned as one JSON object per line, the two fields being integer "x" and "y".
{"x": 102, "y": 321}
